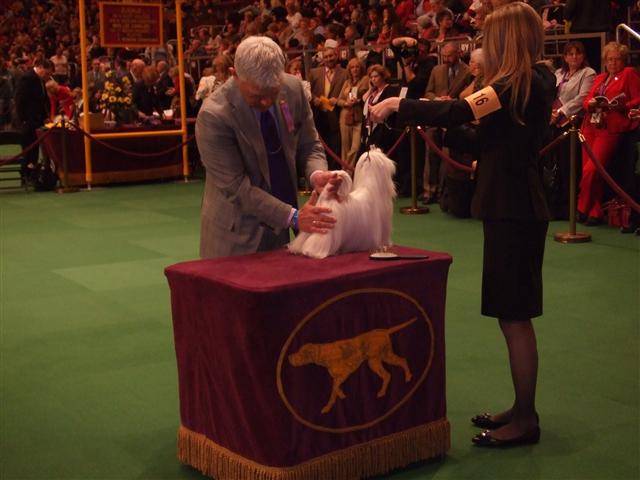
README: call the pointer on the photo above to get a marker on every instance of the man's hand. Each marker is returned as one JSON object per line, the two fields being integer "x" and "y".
{"x": 312, "y": 219}
{"x": 383, "y": 109}
{"x": 329, "y": 180}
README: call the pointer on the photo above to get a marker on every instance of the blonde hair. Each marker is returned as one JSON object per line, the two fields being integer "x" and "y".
{"x": 51, "y": 86}
{"x": 623, "y": 50}
{"x": 512, "y": 45}
{"x": 355, "y": 61}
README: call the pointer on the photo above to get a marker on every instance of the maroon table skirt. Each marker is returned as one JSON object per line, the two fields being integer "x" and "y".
{"x": 109, "y": 166}
{"x": 302, "y": 369}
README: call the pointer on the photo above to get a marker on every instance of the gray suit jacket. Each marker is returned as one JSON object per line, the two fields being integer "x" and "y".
{"x": 438, "y": 85}
{"x": 238, "y": 209}
{"x": 574, "y": 90}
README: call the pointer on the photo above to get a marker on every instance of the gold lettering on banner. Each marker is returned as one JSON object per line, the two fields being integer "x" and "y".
{"x": 131, "y": 24}
{"x": 344, "y": 357}
{"x": 483, "y": 102}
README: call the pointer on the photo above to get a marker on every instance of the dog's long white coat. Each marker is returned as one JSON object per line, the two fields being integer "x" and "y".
{"x": 363, "y": 217}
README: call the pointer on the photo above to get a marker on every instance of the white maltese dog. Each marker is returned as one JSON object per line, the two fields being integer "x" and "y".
{"x": 363, "y": 214}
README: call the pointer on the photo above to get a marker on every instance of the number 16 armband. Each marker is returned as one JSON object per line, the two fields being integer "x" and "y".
{"x": 483, "y": 102}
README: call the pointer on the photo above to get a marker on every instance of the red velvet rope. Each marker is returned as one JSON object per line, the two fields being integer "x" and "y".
{"x": 5, "y": 160}
{"x": 603, "y": 172}
{"x": 443, "y": 155}
{"x": 333, "y": 155}
{"x": 349, "y": 168}
{"x": 136, "y": 154}
{"x": 395, "y": 145}
{"x": 554, "y": 142}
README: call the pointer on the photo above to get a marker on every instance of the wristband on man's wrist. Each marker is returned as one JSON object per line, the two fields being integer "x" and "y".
{"x": 294, "y": 220}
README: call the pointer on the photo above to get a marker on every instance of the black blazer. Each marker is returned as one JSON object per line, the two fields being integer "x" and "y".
{"x": 32, "y": 103}
{"x": 381, "y": 136}
{"x": 145, "y": 98}
{"x": 509, "y": 184}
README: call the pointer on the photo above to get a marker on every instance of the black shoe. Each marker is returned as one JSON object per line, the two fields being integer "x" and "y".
{"x": 484, "y": 421}
{"x": 592, "y": 222}
{"x": 485, "y": 439}
{"x": 629, "y": 229}
{"x": 581, "y": 217}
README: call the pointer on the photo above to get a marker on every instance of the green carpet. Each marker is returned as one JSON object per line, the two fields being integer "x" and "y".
{"x": 88, "y": 372}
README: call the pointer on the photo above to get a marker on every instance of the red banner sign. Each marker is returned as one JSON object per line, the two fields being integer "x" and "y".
{"x": 132, "y": 25}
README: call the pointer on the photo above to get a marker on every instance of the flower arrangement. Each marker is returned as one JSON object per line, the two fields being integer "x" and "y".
{"x": 116, "y": 101}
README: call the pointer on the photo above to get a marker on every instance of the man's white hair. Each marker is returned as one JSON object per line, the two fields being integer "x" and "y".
{"x": 260, "y": 60}
{"x": 477, "y": 56}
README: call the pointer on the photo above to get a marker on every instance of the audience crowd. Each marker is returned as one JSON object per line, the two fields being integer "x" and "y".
{"x": 349, "y": 54}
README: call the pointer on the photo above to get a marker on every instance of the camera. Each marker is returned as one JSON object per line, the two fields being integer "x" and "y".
{"x": 408, "y": 52}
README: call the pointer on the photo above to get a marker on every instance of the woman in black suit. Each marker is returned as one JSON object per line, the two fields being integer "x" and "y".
{"x": 514, "y": 111}
{"x": 377, "y": 133}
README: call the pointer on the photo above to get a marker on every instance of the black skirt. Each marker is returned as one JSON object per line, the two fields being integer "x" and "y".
{"x": 512, "y": 269}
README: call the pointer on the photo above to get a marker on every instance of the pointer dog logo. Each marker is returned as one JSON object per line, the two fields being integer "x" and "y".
{"x": 344, "y": 357}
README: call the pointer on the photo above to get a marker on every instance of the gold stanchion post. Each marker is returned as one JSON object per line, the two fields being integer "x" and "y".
{"x": 65, "y": 162}
{"x": 572, "y": 236}
{"x": 414, "y": 209}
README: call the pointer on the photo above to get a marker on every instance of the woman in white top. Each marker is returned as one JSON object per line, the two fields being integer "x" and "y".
{"x": 574, "y": 80}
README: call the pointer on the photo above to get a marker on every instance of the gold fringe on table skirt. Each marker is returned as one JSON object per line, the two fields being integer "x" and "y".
{"x": 376, "y": 457}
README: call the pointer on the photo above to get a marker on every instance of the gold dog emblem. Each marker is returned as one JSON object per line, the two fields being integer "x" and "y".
{"x": 343, "y": 357}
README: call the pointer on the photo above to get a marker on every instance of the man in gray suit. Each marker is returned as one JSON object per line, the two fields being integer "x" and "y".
{"x": 253, "y": 133}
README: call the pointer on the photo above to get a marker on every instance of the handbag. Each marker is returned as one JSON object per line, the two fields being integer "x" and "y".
{"x": 463, "y": 138}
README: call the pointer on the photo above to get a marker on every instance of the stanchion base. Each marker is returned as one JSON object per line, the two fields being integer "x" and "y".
{"x": 414, "y": 210}
{"x": 67, "y": 189}
{"x": 567, "y": 237}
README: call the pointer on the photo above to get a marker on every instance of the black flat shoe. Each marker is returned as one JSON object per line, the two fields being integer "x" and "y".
{"x": 485, "y": 439}
{"x": 581, "y": 217}
{"x": 484, "y": 421}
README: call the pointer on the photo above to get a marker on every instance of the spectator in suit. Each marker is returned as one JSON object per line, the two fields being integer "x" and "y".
{"x": 446, "y": 82}
{"x": 96, "y": 78}
{"x": 135, "y": 70}
{"x": 164, "y": 86}
{"x": 326, "y": 83}
{"x": 145, "y": 96}
{"x": 32, "y": 108}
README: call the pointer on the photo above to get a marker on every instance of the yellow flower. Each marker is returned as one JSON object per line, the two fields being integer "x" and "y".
{"x": 120, "y": 100}
{"x": 112, "y": 99}
{"x": 118, "y": 89}
{"x": 105, "y": 96}
{"x": 108, "y": 85}
{"x": 125, "y": 79}
{"x": 127, "y": 100}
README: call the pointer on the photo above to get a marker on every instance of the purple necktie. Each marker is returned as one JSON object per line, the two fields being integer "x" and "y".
{"x": 281, "y": 186}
